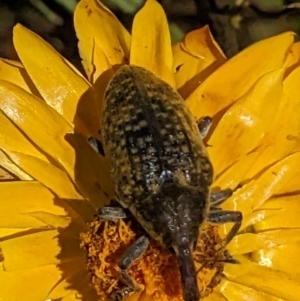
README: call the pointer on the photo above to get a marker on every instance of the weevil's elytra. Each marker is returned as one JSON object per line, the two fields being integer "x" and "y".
{"x": 159, "y": 165}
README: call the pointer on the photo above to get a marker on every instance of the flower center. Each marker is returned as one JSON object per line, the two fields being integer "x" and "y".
{"x": 156, "y": 271}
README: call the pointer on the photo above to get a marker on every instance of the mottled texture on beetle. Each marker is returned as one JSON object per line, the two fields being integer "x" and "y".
{"x": 159, "y": 164}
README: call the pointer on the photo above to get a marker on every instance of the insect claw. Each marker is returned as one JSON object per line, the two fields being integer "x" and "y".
{"x": 204, "y": 125}
{"x": 218, "y": 197}
{"x": 111, "y": 213}
{"x": 134, "y": 252}
{"x": 96, "y": 145}
{"x": 225, "y": 216}
{"x": 121, "y": 294}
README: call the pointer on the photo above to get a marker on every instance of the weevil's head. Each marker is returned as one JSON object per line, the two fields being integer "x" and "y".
{"x": 180, "y": 210}
{"x": 173, "y": 215}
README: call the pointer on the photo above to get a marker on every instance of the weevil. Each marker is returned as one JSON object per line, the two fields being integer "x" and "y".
{"x": 161, "y": 170}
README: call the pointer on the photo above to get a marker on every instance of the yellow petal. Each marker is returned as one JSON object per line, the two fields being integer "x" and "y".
{"x": 284, "y": 258}
{"x": 285, "y": 129}
{"x": 76, "y": 297}
{"x": 253, "y": 194}
{"x": 48, "y": 174}
{"x": 8, "y": 232}
{"x": 291, "y": 186}
{"x": 273, "y": 282}
{"x": 28, "y": 251}
{"x": 151, "y": 42}
{"x": 48, "y": 130}
{"x": 246, "y": 121}
{"x": 237, "y": 75}
{"x": 293, "y": 58}
{"x": 44, "y": 276}
{"x": 10, "y": 136}
{"x": 231, "y": 177}
{"x": 57, "y": 181}
{"x": 195, "y": 58}
{"x": 60, "y": 85}
{"x": 15, "y": 73}
{"x": 88, "y": 294}
{"x": 250, "y": 242}
{"x": 35, "y": 119}
{"x": 236, "y": 292}
{"x": 6, "y": 163}
{"x": 282, "y": 203}
{"x": 285, "y": 218}
{"x": 103, "y": 40}
{"x": 216, "y": 296}
{"x": 59, "y": 282}
{"x": 5, "y": 175}
{"x": 76, "y": 281}
{"x": 98, "y": 90}
{"x": 91, "y": 172}
{"x": 25, "y": 198}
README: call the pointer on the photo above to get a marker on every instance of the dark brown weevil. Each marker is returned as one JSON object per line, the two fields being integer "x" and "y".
{"x": 161, "y": 170}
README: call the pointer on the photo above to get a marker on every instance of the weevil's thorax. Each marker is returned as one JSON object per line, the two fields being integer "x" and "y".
{"x": 154, "y": 148}
{"x": 177, "y": 210}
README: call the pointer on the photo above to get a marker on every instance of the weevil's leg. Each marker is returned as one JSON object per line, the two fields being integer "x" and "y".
{"x": 120, "y": 294}
{"x": 224, "y": 216}
{"x": 204, "y": 125}
{"x": 96, "y": 145}
{"x": 135, "y": 251}
{"x": 219, "y": 197}
{"x": 228, "y": 258}
{"x": 111, "y": 213}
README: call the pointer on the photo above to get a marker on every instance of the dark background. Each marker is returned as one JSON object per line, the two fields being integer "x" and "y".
{"x": 235, "y": 24}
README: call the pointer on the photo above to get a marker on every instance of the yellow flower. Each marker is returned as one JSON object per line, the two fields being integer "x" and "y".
{"x": 47, "y": 109}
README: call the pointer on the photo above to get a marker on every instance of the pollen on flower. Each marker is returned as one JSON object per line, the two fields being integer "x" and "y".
{"x": 156, "y": 272}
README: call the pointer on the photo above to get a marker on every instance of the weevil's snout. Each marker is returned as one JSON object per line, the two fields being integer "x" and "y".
{"x": 188, "y": 272}
{"x": 190, "y": 291}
